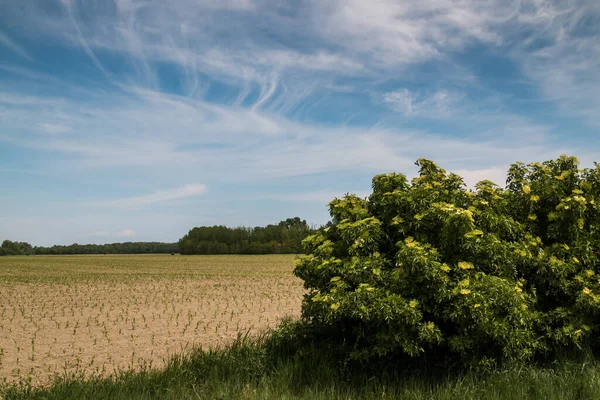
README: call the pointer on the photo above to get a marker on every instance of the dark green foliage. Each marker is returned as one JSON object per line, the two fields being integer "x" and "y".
{"x": 9, "y": 248}
{"x": 283, "y": 238}
{"x": 113, "y": 248}
{"x": 21, "y": 248}
{"x": 430, "y": 268}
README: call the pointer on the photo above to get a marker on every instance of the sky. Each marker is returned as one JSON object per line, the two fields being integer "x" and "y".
{"x": 136, "y": 120}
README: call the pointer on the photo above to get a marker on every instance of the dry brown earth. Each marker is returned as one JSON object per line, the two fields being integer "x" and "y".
{"x": 101, "y": 314}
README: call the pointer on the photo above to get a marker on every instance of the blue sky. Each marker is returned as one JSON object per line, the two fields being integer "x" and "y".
{"x": 137, "y": 120}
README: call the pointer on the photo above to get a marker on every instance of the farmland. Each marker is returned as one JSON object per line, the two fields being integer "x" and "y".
{"x": 97, "y": 315}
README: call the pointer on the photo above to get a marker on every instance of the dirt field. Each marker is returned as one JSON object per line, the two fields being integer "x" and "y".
{"x": 101, "y": 314}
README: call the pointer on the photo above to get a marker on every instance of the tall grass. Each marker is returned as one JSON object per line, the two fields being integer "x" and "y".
{"x": 281, "y": 366}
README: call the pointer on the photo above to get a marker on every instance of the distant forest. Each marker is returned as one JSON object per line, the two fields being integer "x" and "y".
{"x": 283, "y": 238}
{"x": 25, "y": 249}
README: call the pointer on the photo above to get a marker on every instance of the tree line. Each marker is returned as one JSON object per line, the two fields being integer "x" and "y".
{"x": 10, "y": 248}
{"x": 282, "y": 238}
{"x": 113, "y": 248}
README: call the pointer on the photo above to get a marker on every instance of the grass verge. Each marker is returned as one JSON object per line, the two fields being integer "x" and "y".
{"x": 277, "y": 366}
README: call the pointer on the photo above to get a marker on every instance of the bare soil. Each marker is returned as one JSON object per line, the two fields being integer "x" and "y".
{"x": 125, "y": 317}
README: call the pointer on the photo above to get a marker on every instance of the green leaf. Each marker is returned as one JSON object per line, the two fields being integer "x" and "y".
{"x": 474, "y": 233}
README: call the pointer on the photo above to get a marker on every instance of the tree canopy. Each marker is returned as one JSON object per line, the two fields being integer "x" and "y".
{"x": 285, "y": 237}
{"x": 10, "y": 248}
{"x": 428, "y": 266}
{"x": 112, "y": 248}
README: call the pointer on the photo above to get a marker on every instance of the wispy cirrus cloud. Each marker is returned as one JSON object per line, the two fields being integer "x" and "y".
{"x": 158, "y": 197}
{"x": 249, "y": 93}
{"x": 53, "y": 128}
{"x": 440, "y": 104}
{"x": 258, "y": 145}
{"x": 10, "y": 44}
{"x": 350, "y": 38}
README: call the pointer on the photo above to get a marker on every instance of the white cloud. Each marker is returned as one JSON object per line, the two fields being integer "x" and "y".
{"x": 397, "y": 33}
{"x": 554, "y": 42}
{"x": 54, "y": 128}
{"x": 412, "y": 104}
{"x": 351, "y": 37}
{"x": 323, "y": 196}
{"x": 158, "y": 197}
{"x": 12, "y": 45}
{"x": 472, "y": 177}
{"x": 567, "y": 70}
{"x": 244, "y": 5}
{"x": 127, "y": 233}
{"x": 401, "y": 100}
{"x": 254, "y": 144}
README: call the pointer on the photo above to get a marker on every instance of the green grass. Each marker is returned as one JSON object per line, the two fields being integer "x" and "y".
{"x": 266, "y": 368}
{"x": 119, "y": 267}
